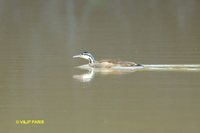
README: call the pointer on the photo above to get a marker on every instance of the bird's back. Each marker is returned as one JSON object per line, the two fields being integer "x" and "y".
{"x": 113, "y": 63}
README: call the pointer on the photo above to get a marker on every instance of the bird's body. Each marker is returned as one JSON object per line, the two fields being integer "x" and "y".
{"x": 108, "y": 63}
{"x": 112, "y": 63}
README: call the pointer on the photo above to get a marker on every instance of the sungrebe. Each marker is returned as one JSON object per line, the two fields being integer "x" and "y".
{"x": 105, "y": 63}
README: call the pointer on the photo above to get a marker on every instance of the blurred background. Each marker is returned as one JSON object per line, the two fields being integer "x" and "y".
{"x": 38, "y": 39}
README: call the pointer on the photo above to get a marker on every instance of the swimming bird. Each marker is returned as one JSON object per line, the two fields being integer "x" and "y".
{"x": 105, "y": 63}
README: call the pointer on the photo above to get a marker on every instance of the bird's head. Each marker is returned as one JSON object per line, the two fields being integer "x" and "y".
{"x": 86, "y": 55}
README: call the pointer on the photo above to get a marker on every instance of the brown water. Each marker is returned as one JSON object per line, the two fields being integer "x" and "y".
{"x": 39, "y": 38}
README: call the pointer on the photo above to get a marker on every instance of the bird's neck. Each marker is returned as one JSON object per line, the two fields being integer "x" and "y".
{"x": 91, "y": 59}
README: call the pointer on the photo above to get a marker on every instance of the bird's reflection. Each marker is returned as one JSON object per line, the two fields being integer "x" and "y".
{"x": 90, "y": 74}
{"x": 85, "y": 77}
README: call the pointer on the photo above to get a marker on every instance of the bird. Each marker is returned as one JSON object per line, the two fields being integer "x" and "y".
{"x": 107, "y": 63}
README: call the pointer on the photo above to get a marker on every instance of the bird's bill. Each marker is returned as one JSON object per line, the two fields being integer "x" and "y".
{"x": 76, "y": 56}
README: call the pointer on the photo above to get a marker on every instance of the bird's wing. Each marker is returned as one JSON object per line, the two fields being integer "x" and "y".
{"x": 111, "y": 63}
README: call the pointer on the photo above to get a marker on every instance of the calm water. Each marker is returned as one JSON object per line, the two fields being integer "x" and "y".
{"x": 39, "y": 38}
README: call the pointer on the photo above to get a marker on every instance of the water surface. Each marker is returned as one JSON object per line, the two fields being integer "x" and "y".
{"x": 39, "y": 38}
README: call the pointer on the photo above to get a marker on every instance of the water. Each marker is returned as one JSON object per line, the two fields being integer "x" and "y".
{"x": 39, "y": 38}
